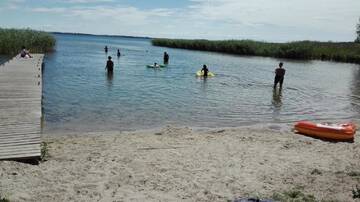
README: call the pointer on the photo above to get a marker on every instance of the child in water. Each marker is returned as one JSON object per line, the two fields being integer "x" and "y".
{"x": 205, "y": 70}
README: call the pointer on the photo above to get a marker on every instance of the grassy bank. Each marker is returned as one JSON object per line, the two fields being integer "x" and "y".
{"x": 11, "y": 41}
{"x": 340, "y": 52}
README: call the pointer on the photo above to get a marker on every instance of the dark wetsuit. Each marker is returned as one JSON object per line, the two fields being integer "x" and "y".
{"x": 110, "y": 66}
{"x": 166, "y": 58}
{"x": 279, "y": 76}
{"x": 205, "y": 70}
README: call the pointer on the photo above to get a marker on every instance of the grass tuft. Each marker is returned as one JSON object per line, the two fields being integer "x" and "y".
{"x": 304, "y": 50}
{"x": 354, "y": 174}
{"x": 44, "y": 151}
{"x": 3, "y": 199}
{"x": 293, "y": 196}
{"x": 356, "y": 192}
{"x": 316, "y": 172}
{"x": 11, "y": 41}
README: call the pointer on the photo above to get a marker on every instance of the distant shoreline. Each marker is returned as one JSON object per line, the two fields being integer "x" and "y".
{"x": 101, "y": 35}
{"x": 348, "y": 52}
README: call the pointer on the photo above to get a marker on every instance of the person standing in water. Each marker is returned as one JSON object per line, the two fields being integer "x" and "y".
{"x": 118, "y": 53}
{"x": 109, "y": 66}
{"x": 205, "y": 70}
{"x": 279, "y": 75}
{"x": 106, "y": 49}
{"x": 166, "y": 58}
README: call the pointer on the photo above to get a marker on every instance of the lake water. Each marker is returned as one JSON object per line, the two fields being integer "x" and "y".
{"x": 4, "y": 58}
{"x": 78, "y": 95}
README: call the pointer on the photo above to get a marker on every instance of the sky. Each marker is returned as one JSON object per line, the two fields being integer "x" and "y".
{"x": 265, "y": 20}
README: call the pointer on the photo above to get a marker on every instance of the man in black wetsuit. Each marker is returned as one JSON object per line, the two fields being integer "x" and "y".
{"x": 279, "y": 75}
{"x": 109, "y": 66}
{"x": 205, "y": 70}
{"x": 166, "y": 58}
{"x": 106, "y": 49}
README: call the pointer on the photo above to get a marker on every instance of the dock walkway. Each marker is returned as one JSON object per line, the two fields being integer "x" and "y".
{"x": 20, "y": 107}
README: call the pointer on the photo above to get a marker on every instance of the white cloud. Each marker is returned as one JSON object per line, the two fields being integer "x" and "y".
{"x": 118, "y": 14}
{"x": 48, "y": 10}
{"x": 279, "y": 20}
{"x": 322, "y": 16}
{"x": 12, "y": 4}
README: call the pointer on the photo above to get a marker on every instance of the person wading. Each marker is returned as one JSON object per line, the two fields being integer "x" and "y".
{"x": 109, "y": 66}
{"x": 279, "y": 75}
{"x": 205, "y": 70}
{"x": 166, "y": 58}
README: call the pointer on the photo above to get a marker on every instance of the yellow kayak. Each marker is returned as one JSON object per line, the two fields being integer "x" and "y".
{"x": 200, "y": 73}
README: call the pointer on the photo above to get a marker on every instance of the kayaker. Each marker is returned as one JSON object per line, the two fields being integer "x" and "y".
{"x": 109, "y": 66}
{"x": 205, "y": 70}
{"x": 279, "y": 75}
{"x": 118, "y": 53}
{"x": 166, "y": 58}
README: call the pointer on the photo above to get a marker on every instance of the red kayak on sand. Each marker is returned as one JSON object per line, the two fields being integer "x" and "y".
{"x": 340, "y": 132}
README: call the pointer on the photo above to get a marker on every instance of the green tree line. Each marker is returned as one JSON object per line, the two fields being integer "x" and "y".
{"x": 341, "y": 52}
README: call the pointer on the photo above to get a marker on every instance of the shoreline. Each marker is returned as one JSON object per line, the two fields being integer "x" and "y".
{"x": 184, "y": 164}
{"x": 284, "y": 126}
{"x": 346, "y": 52}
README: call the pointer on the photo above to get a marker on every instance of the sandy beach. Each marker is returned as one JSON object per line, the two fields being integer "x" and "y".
{"x": 184, "y": 164}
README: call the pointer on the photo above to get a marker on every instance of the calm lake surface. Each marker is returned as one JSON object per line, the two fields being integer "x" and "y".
{"x": 79, "y": 96}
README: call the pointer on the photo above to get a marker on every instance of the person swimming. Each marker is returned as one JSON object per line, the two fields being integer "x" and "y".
{"x": 205, "y": 70}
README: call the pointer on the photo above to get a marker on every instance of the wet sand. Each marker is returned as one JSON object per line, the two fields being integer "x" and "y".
{"x": 184, "y": 164}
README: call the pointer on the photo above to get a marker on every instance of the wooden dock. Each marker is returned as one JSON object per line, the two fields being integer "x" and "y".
{"x": 20, "y": 107}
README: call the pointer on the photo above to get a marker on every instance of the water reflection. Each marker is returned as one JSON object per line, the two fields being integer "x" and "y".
{"x": 277, "y": 103}
{"x": 203, "y": 83}
{"x": 277, "y": 96}
{"x": 109, "y": 76}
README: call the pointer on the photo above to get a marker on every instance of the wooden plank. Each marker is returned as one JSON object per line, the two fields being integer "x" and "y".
{"x": 17, "y": 149}
{"x": 20, "y": 108}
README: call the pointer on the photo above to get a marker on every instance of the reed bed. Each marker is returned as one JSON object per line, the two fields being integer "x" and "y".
{"x": 305, "y": 50}
{"x": 11, "y": 41}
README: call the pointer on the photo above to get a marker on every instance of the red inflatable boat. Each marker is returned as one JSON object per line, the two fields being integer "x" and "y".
{"x": 341, "y": 132}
